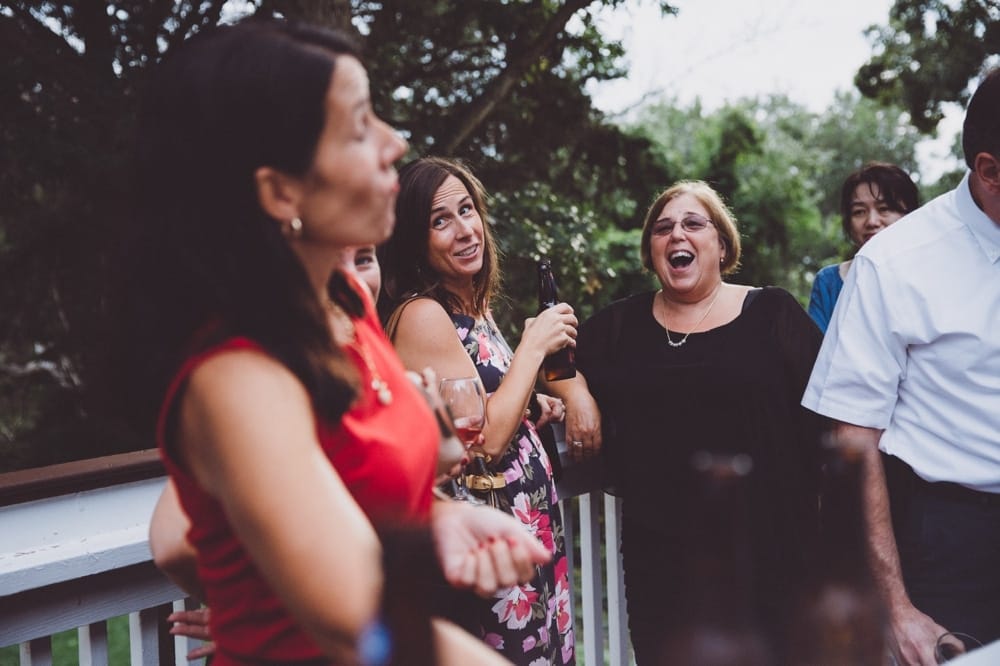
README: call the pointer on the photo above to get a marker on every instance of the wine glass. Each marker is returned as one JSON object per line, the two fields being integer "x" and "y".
{"x": 953, "y": 644}
{"x": 450, "y": 450}
{"x": 466, "y": 403}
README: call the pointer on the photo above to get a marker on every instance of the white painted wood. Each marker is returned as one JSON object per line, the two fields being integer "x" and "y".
{"x": 93, "y": 640}
{"x": 143, "y": 637}
{"x": 618, "y": 636}
{"x": 591, "y": 576}
{"x": 79, "y": 559}
{"x": 36, "y": 613}
{"x": 37, "y": 652}
{"x": 70, "y": 536}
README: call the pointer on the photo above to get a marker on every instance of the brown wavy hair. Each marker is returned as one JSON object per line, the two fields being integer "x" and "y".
{"x": 406, "y": 271}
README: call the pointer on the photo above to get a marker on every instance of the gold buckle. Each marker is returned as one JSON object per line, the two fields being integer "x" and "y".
{"x": 483, "y": 483}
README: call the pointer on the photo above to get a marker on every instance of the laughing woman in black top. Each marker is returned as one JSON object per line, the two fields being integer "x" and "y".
{"x": 702, "y": 364}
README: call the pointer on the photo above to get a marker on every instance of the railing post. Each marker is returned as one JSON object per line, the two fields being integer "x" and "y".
{"x": 37, "y": 652}
{"x": 93, "y": 644}
{"x": 618, "y": 637}
{"x": 592, "y": 578}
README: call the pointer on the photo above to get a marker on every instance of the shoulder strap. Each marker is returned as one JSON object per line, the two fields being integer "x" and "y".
{"x": 392, "y": 323}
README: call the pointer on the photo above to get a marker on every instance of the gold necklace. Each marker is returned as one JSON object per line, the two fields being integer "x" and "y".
{"x": 718, "y": 292}
{"x": 378, "y": 385}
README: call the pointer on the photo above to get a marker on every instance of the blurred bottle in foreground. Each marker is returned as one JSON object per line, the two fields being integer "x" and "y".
{"x": 562, "y": 364}
{"x": 717, "y": 624}
{"x": 839, "y": 617}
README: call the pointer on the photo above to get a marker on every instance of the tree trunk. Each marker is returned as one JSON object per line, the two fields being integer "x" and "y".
{"x": 500, "y": 87}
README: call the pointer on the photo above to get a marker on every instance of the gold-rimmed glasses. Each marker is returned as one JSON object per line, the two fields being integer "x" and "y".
{"x": 691, "y": 222}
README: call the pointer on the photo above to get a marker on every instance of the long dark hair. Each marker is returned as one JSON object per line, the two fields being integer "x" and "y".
{"x": 406, "y": 270}
{"x": 203, "y": 260}
{"x": 895, "y": 187}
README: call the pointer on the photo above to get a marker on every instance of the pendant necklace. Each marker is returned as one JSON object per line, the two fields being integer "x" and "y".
{"x": 378, "y": 385}
{"x": 718, "y": 292}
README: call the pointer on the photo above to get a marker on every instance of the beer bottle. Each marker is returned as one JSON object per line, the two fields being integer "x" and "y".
{"x": 561, "y": 364}
{"x": 839, "y": 616}
{"x": 716, "y": 623}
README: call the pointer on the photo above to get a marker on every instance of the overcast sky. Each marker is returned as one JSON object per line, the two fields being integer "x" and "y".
{"x": 721, "y": 50}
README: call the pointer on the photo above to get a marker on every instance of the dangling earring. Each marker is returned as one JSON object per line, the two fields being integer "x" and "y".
{"x": 295, "y": 227}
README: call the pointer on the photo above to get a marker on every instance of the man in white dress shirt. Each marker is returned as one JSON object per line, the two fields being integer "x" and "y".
{"x": 911, "y": 366}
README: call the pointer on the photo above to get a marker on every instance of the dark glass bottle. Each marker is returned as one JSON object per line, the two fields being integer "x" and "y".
{"x": 839, "y": 616}
{"x": 561, "y": 364}
{"x": 716, "y": 623}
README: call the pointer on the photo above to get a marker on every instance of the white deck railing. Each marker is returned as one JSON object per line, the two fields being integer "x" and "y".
{"x": 76, "y": 559}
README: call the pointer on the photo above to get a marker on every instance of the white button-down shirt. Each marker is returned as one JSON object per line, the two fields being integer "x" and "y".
{"x": 914, "y": 343}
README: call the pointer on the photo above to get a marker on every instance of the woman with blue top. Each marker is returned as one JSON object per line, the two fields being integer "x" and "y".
{"x": 871, "y": 198}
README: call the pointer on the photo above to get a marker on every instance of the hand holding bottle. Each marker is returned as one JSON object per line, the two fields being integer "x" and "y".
{"x": 552, "y": 330}
{"x": 561, "y": 363}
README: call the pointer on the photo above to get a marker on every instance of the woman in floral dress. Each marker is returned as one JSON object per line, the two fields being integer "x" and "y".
{"x": 439, "y": 272}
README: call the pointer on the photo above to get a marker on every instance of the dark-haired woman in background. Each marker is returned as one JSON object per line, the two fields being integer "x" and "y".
{"x": 440, "y": 273}
{"x": 871, "y": 198}
{"x": 282, "y": 414}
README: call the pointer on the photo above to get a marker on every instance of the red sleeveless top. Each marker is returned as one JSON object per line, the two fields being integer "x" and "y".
{"x": 385, "y": 454}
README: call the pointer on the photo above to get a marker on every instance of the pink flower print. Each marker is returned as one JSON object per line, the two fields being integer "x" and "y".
{"x": 524, "y": 450}
{"x": 528, "y": 643}
{"x": 462, "y": 332}
{"x": 543, "y": 634}
{"x": 484, "y": 346}
{"x": 535, "y": 520}
{"x": 564, "y": 619}
{"x": 494, "y": 640}
{"x": 541, "y": 661}
{"x": 514, "y": 607}
{"x": 513, "y": 473}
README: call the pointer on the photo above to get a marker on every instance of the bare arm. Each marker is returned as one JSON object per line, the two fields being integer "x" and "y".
{"x": 247, "y": 434}
{"x": 172, "y": 552}
{"x": 914, "y": 631}
{"x": 426, "y": 337}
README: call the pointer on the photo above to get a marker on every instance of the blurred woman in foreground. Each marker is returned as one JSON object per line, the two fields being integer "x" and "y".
{"x": 282, "y": 414}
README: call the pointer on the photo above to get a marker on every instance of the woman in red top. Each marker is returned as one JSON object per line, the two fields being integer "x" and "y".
{"x": 284, "y": 418}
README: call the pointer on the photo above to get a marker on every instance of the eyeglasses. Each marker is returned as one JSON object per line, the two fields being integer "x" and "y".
{"x": 692, "y": 223}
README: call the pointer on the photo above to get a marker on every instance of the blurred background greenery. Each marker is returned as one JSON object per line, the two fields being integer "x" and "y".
{"x": 499, "y": 83}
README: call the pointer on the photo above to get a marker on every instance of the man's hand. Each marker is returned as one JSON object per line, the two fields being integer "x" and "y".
{"x": 484, "y": 549}
{"x": 916, "y": 634}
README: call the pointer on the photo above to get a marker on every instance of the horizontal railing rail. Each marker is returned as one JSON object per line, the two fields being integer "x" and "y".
{"x": 74, "y": 553}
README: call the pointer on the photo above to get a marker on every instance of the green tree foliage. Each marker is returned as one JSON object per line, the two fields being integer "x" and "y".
{"x": 498, "y": 83}
{"x": 780, "y": 166}
{"x": 928, "y": 53}
{"x": 67, "y": 73}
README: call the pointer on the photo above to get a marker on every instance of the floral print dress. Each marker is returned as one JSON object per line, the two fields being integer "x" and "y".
{"x": 530, "y": 624}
